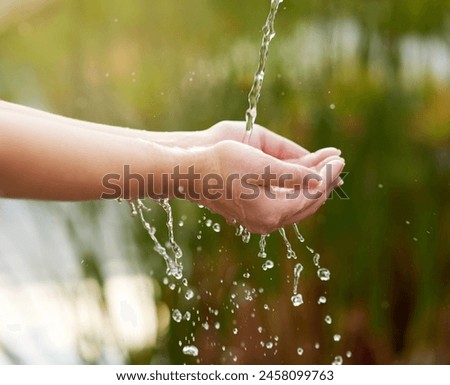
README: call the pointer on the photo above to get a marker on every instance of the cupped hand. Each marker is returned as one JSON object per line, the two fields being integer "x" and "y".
{"x": 271, "y": 143}
{"x": 268, "y": 183}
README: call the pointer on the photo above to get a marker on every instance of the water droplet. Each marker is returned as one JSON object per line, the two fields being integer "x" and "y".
{"x": 176, "y": 315}
{"x": 337, "y": 360}
{"x": 348, "y": 354}
{"x": 205, "y": 325}
{"x": 208, "y": 223}
{"x": 297, "y": 297}
{"x": 266, "y": 307}
{"x": 190, "y": 350}
{"x": 269, "y": 345}
{"x": 328, "y": 320}
{"x": 380, "y": 185}
{"x": 262, "y": 247}
{"x": 187, "y": 316}
{"x": 322, "y": 299}
{"x": 300, "y": 351}
{"x": 317, "y": 345}
{"x": 297, "y": 233}
{"x": 408, "y": 222}
{"x": 297, "y": 300}
{"x": 172, "y": 286}
{"x": 267, "y": 265}
{"x": 216, "y": 227}
{"x": 189, "y": 295}
{"x": 323, "y": 274}
{"x": 180, "y": 223}
{"x": 217, "y": 325}
{"x": 260, "y": 329}
{"x": 297, "y": 270}
{"x": 246, "y": 275}
{"x": 246, "y": 235}
{"x": 290, "y": 252}
{"x": 235, "y": 331}
{"x": 316, "y": 259}
{"x": 337, "y": 337}
{"x": 332, "y": 106}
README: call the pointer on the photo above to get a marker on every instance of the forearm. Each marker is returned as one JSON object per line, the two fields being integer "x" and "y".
{"x": 181, "y": 139}
{"x": 47, "y": 158}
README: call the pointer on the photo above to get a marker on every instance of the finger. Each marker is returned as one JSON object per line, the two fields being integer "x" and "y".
{"x": 316, "y": 157}
{"x": 316, "y": 162}
{"x": 288, "y": 175}
{"x": 309, "y": 201}
{"x": 331, "y": 182}
{"x": 324, "y": 162}
{"x": 278, "y": 146}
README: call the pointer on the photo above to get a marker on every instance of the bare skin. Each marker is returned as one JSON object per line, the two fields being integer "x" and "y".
{"x": 49, "y": 157}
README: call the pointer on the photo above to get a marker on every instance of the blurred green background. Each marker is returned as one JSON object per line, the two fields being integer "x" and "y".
{"x": 369, "y": 77}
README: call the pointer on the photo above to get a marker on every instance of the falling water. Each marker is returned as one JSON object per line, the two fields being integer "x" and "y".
{"x": 164, "y": 203}
{"x": 290, "y": 252}
{"x": 174, "y": 267}
{"x": 262, "y": 246}
{"x": 255, "y": 92}
{"x": 297, "y": 298}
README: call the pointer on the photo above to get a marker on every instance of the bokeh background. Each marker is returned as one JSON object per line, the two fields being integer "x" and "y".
{"x": 80, "y": 282}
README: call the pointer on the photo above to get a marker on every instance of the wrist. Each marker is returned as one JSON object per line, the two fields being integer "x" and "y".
{"x": 188, "y": 172}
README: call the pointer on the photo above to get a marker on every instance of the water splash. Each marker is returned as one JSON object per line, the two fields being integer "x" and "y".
{"x": 176, "y": 315}
{"x": 290, "y": 252}
{"x": 316, "y": 260}
{"x": 324, "y": 274}
{"x": 173, "y": 266}
{"x": 322, "y": 299}
{"x": 337, "y": 360}
{"x": 246, "y": 235}
{"x": 297, "y": 233}
{"x": 190, "y": 350}
{"x": 164, "y": 203}
{"x": 267, "y": 265}
{"x": 296, "y": 298}
{"x": 262, "y": 246}
{"x": 255, "y": 91}
{"x": 189, "y": 294}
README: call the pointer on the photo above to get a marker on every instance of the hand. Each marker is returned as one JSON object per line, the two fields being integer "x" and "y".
{"x": 271, "y": 144}
{"x": 262, "y": 199}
